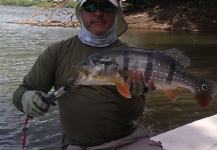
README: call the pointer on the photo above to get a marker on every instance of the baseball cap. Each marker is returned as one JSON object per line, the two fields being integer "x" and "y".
{"x": 121, "y": 24}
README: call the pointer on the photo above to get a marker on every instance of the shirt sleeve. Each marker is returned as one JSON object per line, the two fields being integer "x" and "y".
{"x": 41, "y": 75}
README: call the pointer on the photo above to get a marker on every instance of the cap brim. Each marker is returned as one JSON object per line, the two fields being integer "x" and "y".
{"x": 114, "y": 2}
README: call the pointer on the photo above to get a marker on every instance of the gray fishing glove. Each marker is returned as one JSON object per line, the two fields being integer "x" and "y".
{"x": 136, "y": 89}
{"x": 137, "y": 84}
{"x": 33, "y": 104}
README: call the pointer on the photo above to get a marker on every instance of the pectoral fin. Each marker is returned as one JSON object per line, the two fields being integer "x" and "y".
{"x": 123, "y": 89}
{"x": 173, "y": 94}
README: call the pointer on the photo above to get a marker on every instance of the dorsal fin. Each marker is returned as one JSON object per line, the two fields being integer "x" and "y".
{"x": 179, "y": 57}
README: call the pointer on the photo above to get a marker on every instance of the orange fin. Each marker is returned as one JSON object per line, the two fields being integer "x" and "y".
{"x": 123, "y": 89}
{"x": 173, "y": 94}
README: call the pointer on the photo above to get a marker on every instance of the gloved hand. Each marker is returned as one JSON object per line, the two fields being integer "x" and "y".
{"x": 137, "y": 85}
{"x": 33, "y": 104}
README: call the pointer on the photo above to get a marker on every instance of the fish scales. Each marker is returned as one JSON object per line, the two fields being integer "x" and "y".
{"x": 165, "y": 68}
{"x": 160, "y": 68}
{"x": 153, "y": 65}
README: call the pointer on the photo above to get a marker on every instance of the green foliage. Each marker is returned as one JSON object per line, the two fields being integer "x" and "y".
{"x": 71, "y": 4}
{"x": 18, "y": 2}
{"x": 40, "y": 3}
{"x": 9, "y": 2}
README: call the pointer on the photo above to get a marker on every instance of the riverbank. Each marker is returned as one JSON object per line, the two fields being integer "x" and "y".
{"x": 176, "y": 16}
{"x": 179, "y": 16}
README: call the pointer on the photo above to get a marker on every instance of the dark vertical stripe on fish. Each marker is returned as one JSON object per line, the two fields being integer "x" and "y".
{"x": 126, "y": 62}
{"x": 171, "y": 73}
{"x": 149, "y": 67}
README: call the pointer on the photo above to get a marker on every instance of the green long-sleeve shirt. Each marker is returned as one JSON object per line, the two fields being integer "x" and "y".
{"x": 89, "y": 115}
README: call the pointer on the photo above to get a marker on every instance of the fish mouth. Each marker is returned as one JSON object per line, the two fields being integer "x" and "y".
{"x": 85, "y": 77}
{"x": 203, "y": 100}
{"x": 82, "y": 74}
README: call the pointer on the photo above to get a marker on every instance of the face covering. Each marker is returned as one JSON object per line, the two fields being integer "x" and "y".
{"x": 98, "y": 41}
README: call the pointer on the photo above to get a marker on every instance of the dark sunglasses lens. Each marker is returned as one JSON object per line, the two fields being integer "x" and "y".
{"x": 90, "y": 6}
{"x": 107, "y": 7}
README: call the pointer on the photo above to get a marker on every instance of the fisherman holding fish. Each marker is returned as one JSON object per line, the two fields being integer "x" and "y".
{"x": 92, "y": 117}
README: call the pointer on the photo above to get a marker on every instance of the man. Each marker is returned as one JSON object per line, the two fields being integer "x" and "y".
{"x": 92, "y": 117}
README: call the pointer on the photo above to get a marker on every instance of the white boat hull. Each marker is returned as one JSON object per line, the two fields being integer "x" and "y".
{"x": 198, "y": 135}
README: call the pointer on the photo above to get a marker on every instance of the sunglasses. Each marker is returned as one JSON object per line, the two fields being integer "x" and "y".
{"x": 91, "y": 6}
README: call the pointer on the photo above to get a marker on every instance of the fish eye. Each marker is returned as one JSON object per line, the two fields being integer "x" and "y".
{"x": 204, "y": 87}
{"x": 95, "y": 61}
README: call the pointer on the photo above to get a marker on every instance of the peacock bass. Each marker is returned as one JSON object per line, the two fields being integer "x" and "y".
{"x": 164, "y": 68}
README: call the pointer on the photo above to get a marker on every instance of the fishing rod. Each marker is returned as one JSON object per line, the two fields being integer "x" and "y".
{"x": 50, "y": 99}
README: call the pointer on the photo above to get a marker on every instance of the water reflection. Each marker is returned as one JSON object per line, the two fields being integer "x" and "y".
{"x": 21, "y": 44}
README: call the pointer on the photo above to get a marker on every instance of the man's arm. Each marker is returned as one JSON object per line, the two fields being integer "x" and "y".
{"x": 39, "y": 78}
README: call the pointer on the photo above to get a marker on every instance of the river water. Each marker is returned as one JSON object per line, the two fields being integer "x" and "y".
{"x": 21, "y": 44}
